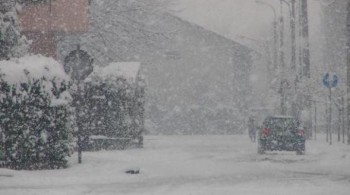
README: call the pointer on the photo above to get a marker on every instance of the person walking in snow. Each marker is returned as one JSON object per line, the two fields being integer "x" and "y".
{"x": 251, "y": 129}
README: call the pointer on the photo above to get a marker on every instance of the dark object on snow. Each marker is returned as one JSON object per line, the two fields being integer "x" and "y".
{"x": 133, "y": 171}
{"x": 281, "y": 133}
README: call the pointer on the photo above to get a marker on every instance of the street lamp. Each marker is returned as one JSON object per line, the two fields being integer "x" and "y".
{"x": 348, "y": 69}
{"x": 274, "y": 31}
{"x": 281, "y": 37}
{"x": 293, "y": 66}
{"x": 281, "y": 52}
{"x": 291, "y": 6}
{"x": 292, "y": 26}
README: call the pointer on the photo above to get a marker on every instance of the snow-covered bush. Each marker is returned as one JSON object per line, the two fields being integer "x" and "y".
{"x": 114, "y": 105}
{"x": 35, "y": 130}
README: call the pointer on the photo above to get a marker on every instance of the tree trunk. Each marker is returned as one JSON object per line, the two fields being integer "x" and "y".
{"x": 305, "y": 35}
{"x": 348, "y": 69}
{"x": 293, "y": 37}
{"x": 306, "y": 61}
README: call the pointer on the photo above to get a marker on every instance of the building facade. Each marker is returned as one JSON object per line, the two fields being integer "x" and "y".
{"x": 197, "y": 80}
{"x": 43, "y": 21}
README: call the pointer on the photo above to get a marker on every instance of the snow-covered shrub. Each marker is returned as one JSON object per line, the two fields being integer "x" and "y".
{"x": 114, "y": 106}
{"x": 35, "y": 128}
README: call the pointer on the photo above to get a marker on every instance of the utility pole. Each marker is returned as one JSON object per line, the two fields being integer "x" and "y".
{"x": 292, "y": 29}
{"x": 327, "y": 119}
{"x": 348, "y": 69}
{"x": 300, "y": 41}
{"x": 282, "y": 65}
{"x": 315, "y": 120}
{"x": 305, "y": 35}
{"x": 343, "y": 117}
{"x": 275, "y": 42}
{"x": 306, "y": 60}
{"x": 339, "y": 122}
{"x": 281, "y": 49}
{"x": 295, "y": 107}
{"x": 330, "y": 116}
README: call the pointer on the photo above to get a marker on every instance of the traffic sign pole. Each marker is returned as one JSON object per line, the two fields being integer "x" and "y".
{"x": 78, "y": 64}
{"x": 330, "y": 116}
{"x": 330, "y": 83}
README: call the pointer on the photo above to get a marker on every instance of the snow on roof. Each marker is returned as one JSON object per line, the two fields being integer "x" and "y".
{"x": 35, "y": 66}
{"x": 127, "y": 70}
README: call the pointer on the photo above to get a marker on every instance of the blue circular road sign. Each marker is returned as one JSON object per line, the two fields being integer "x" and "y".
{"x": 330, "y": 82}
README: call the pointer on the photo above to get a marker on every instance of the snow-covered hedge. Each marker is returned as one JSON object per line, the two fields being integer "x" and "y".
{"x": 35, "y": 130}
{"x": 115, "y": 104}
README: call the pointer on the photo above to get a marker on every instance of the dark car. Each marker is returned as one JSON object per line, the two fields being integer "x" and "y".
{"x": 282, "y": 133}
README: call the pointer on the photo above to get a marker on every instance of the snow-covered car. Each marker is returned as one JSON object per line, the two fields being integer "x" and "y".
{"x": 282, "y": 133}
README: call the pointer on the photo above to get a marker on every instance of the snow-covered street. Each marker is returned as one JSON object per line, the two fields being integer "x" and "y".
{"x": 174, "y": 86}
{"x": 193, "y": 165}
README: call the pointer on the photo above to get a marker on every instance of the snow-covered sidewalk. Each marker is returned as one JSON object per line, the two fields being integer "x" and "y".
{"x": 193, "y": 165}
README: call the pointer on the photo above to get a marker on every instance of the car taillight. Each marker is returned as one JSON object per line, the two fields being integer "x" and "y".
{"x": 266, "y": 132}
{"x": 301, "y": 132}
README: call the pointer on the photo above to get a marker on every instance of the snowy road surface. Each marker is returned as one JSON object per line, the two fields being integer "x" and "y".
{"x": 183, "y": 165}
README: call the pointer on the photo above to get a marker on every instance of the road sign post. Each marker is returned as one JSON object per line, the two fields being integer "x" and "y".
{"x": 330, "y": 83}
{"x": 78, "y": 64}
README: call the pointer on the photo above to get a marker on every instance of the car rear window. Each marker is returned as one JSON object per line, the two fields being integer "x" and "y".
{"x": 281, "y": 124}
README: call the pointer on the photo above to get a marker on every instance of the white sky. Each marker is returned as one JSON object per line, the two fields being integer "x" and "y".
{"x": 233, "y": 18}
{"x": 236, "y": 18}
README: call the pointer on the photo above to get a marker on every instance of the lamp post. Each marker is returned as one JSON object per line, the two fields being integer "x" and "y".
{"x": 348, "y": 69}
{"x": 306, "y": 57}
{"x": 293, "y": 35}
{"x": 293, "y": 65}
{"x": 275, "y": 53}
{"x": 291, "y": 6}
{"x": 281, "y": 50}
